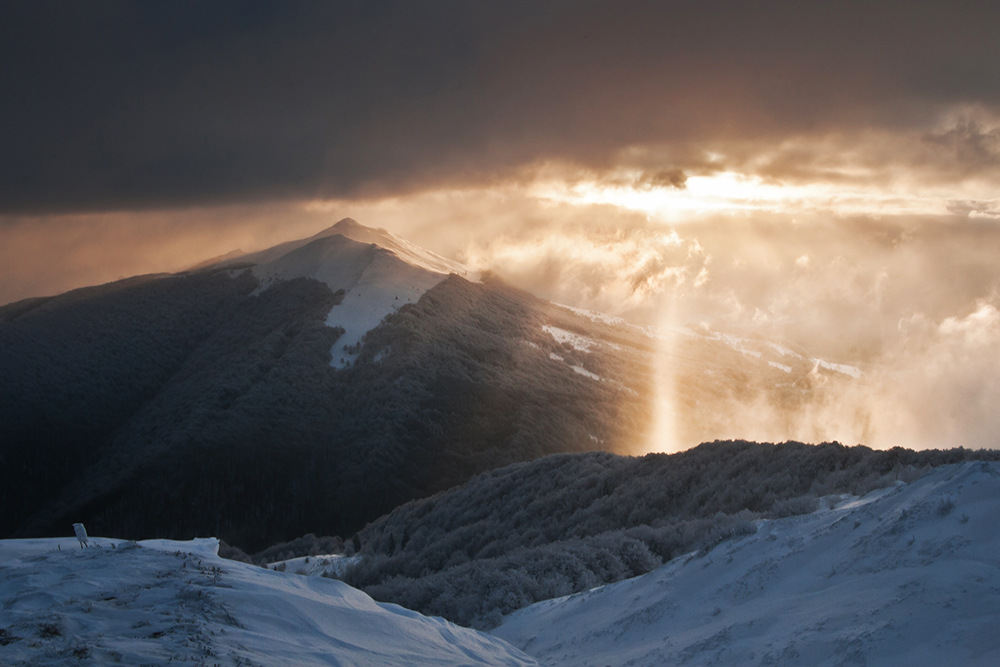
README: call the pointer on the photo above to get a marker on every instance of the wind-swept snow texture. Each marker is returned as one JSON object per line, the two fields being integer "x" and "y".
{"x": 906, "y": 576}
{"x": 161, "y": 602}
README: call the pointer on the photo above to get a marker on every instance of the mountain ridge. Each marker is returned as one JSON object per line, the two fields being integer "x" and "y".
{"x": 321, "y": 388}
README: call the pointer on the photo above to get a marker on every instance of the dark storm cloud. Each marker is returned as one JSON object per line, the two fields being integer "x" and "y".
{"x": 973, "y": 146}
{"x": 122, "y": 105}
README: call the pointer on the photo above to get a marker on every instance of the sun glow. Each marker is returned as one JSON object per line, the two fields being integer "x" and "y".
{"x": 729, "y": 191}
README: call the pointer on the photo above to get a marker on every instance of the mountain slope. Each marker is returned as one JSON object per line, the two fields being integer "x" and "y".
{"x": 905, "y": 576}
{"x": 314, "y": 386}
{"x": 136, "y": 405}
{"x": 74, "y": 368}
{"x": 569, "y": 522}
{"x": 166, "y": 602}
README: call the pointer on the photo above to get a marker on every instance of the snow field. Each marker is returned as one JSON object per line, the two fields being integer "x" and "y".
{"x": 162, "y": 602}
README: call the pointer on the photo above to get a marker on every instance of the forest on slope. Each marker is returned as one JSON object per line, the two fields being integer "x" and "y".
{"x": 569, "y": 522}
{"x": 184, "y": 405}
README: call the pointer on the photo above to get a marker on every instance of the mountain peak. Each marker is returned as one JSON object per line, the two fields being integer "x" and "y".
{"x": 375, "y": 285}
{"x": 345, "y": 227}
{"x": 347, "y": 223}
{"x": 403, "y": 249}
{"x": 354, "y": 230}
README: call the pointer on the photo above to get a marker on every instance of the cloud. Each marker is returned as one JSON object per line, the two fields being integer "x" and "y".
{"x": 911, "y": 301}
{"x": 663, "y": 178}
{"x": 940, "y": 386}
{"x": 619, "y": 271}
{"x": 123, "y": 106}
{"x": 970, "y": 144}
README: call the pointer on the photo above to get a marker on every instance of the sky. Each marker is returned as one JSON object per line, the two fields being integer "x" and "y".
{"x": 826, "y": 174}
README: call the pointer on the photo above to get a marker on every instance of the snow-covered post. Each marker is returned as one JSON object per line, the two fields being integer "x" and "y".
{"x": 81, "y": 534}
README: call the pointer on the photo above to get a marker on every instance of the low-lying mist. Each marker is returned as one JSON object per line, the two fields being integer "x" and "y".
{"x": 912, "y": 303}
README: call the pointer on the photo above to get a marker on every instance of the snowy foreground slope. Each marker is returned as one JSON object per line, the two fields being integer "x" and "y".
{"x": 904, "y": 576}
{"x": 160, "y": 602}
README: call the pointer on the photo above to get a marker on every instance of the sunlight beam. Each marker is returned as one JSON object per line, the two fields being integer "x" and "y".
{"x": 663, "y": 435}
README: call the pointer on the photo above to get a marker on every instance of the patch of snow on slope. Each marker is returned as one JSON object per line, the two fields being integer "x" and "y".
{"x": 656, "y": 333}
{"x": 742, "y": 345}
{"x": 162, "y": 602}
{"x": 579, "y": 369}
{"x": 738, "y": 344}
{"x": 906, "y": 576}
{"x": 840, "y": 368}
{"x": 385, "y": 285}
{"x": 595, "y": 316}
{"x": 584, "y": 372}
{"x": 783, "y": 351}
{"x": 578, "y": 342}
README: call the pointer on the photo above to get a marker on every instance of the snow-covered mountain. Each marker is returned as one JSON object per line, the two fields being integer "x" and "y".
{"x": 908, "y": 575}
{"x": 162, "y": 602}
{"x": 355, "y": 231}
{"x": 309, "y": 387}
{"x": 318, "y": 384}
{"x": 378, "y": 272}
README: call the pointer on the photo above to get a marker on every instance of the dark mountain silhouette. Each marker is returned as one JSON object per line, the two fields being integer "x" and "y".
{"x": 206, "y": 403}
